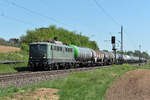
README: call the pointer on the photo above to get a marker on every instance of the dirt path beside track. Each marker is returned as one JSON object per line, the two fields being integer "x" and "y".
{"x": 133, "y": 85}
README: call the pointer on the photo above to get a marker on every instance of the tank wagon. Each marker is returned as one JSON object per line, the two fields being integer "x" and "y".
{"x": 119, "y": 58}
{"x": 108, "y": 58}
{"x": 82, "y": 54}
{"x": 57, "y": 55}
{"x": 100, "y": 56}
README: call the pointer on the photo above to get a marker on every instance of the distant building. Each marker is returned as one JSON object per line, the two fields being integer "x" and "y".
{"x": 14, "y": 40}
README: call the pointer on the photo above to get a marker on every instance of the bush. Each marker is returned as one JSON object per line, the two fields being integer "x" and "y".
{"x": 25, "y": 47}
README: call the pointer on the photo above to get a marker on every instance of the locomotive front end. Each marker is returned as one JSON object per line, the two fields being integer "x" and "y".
{"x": 38, "y": 55}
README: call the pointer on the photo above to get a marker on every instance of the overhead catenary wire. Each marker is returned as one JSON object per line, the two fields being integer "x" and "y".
{"x": 36, "y": 13}
{"x": 16, "y": 19}
{"x": 106, "y": 13}
{"x": 115, "y": 21}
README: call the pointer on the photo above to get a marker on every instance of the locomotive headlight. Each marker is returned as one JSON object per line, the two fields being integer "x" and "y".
{"x": 44, "y": 57}
{"x": 30, "y": 57}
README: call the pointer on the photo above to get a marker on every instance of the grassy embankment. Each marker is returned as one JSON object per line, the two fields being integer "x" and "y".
{"x": 80, "y": 86}
{"x": 18, "y": 55}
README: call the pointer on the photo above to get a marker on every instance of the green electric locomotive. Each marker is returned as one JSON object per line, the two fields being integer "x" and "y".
{"x": 47, "y": 55}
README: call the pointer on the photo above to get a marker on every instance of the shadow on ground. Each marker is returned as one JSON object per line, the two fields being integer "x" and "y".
{"x": 22, "y": 69}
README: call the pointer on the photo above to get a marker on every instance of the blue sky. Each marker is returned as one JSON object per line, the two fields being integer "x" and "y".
{"x": 81, "y": 16}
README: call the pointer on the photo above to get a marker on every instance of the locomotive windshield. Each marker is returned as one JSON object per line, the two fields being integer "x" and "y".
{"x": 38, "y": 50}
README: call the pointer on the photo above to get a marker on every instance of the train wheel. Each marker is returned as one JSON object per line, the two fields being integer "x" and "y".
{"x": 46, "y": 68}
{"x": 33, "y": 68}
{"x": 73, "y": 66}
{"x": 57, "y": 67}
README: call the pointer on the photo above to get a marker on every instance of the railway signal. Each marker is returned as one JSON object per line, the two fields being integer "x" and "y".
{"x": 113, "y": 39}
{"x": 113, "y": 42}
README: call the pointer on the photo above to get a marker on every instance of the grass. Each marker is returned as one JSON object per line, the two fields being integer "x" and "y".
{"x": 20, "y": 55}
{"x": 9, "y": 68}
{"x": 8, "y": 92}
{"x": 85, "y": 85}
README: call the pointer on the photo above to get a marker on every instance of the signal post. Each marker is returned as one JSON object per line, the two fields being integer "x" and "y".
{"x": 113, "y": 42}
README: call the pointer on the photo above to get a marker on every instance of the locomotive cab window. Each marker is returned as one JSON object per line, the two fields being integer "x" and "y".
{"x": 38, "y": 50}
{"x": 57, "y": 48}
{"x": 54, "y": 47}
{"x": 37, "y": 47}
{"x": 60, "y": 48}
{"x": 66, "y": 49}
{"x": 51, "y": 47}
{"x": 71, "y": 50}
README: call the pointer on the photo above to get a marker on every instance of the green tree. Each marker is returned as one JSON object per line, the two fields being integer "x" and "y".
{"x": 145, "y": 55}
{"x": 63, "y": 35}
{"x": 2, "y": 40}
{"x": 129, "y": 53}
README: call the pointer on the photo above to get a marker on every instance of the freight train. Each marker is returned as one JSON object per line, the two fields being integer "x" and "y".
{"x": 53, "y": 55}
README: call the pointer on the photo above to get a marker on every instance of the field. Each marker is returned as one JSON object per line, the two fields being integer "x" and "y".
{"x": 17, "y": 55}
{"x": 10, "y": 68}
{"x": 5, "y": 49}
{"x": 77, "y": 86}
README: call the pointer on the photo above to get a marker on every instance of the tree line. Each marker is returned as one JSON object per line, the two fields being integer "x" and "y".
{"x": 62, "y": 34}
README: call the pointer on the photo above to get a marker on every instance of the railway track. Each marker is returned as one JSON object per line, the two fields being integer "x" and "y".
{"x": 11, "y": 61}
{"x": 28, "y": 78}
